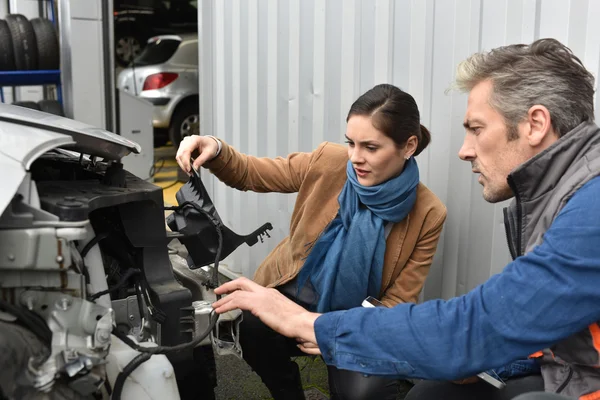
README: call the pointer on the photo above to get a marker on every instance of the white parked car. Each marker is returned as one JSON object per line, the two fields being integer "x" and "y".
{"x": 166, "y": 74}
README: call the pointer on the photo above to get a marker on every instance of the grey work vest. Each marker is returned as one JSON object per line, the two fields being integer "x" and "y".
{"x": 542, "y": 187}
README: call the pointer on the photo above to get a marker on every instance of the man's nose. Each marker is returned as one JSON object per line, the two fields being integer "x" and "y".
{"x": 467, "y": 151}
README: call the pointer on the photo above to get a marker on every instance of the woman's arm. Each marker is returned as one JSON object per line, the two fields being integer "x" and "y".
{"x": 263, "y": 175}
{"x": 244, "y": 172}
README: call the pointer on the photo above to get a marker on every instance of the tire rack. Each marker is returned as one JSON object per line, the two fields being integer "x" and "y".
{"x": 34, "y": 77}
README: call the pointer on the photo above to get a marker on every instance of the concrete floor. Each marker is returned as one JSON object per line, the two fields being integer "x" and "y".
{"x": 235, "y": 379}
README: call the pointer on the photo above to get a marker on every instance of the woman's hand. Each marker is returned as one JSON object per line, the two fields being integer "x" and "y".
{"x": 270, "y": 306}
{"x": 207, "y": 147}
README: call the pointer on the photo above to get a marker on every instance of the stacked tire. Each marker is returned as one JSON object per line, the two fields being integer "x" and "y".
{"x": 28, "y": 45}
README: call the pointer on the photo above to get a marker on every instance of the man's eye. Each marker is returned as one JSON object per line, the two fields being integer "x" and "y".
{"x": 475, "y": 130}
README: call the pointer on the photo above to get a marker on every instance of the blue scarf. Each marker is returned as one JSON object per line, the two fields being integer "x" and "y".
{"x": 346, "y": 263}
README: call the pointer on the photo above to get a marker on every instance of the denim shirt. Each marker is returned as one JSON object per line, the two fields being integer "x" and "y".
{"x": 539, "y": 299}
{"x": 516, "y": 369}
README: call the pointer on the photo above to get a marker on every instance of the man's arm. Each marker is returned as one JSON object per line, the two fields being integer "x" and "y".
{"x": 273, "y": 308}
{"x": 538, "y": 300}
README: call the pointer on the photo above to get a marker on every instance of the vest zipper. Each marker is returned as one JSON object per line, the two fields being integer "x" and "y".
{"x": 511, "y": 245}
{"x": 566, "y": 382}
{"x": 512, "y": 185}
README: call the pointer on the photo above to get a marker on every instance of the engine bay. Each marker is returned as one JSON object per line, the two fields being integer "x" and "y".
{"x": 87, "y": 269}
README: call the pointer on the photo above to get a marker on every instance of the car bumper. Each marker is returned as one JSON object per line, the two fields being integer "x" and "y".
{"x": 164, "y": 106}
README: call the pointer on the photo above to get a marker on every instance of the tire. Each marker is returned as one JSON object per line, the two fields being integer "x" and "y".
{"x": 51, "y": 107}
{"x": 24, "y": 44}
{"x": 185, "y": 122}
{"x": 7, "y": 54}
{"x": 128, "y": 45}
{"x": 27, "y": 104}
{"x": 47, "y": 44}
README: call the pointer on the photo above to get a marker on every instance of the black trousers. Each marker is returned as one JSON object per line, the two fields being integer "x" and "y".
{"x": 443, "y": 390}
{"x": 268, "y": 353}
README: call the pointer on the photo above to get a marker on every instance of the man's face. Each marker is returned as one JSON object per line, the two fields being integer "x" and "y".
{"x": 487, "y": 147}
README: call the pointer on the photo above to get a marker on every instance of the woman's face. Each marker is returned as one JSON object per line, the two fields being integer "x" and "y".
{"x": 374, "y": 156}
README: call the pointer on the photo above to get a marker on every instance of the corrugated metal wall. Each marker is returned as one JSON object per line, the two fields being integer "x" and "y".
{"x": 279, "y": 76}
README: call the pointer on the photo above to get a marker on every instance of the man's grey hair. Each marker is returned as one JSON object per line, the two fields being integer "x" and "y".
{"x": 544, "y": 73}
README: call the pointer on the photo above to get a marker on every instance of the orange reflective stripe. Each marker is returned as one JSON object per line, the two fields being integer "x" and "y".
{"x": 595, "y": 332}
{"x": 537, "y": 354}
{"x": 591, "y": 396}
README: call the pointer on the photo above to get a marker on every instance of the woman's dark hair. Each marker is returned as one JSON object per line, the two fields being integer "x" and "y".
{"x": 393, "y": 112}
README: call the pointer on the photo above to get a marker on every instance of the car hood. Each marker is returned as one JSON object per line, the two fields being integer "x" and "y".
{"x": 26, "y": 134}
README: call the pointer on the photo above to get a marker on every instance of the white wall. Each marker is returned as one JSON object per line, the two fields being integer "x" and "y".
{"x": 84, "y": 71}
{"x": 278, "y": 76}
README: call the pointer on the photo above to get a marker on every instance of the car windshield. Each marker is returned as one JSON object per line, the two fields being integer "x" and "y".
{"x": 157, "y": 52}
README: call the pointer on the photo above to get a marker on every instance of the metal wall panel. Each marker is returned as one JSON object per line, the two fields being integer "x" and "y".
{"x": 279, "y": 76}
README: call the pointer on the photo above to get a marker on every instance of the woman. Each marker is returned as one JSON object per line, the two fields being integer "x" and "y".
{"x": 362, "y": 226}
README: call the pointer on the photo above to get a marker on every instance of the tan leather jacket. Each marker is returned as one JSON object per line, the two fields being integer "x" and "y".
{"x": 318, "y": 178}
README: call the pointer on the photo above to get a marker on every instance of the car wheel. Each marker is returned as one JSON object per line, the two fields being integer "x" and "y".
{"x": 127, "y": 48}
{"x": 185, "y": 122}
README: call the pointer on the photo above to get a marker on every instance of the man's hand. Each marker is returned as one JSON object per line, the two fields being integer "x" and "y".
{"x": 207, "y": 147}
{"x": 309, "y": 347}
{"x": 271, "y": 307}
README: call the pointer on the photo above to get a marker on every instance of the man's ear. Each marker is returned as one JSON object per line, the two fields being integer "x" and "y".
{"x": 540, "y": 126}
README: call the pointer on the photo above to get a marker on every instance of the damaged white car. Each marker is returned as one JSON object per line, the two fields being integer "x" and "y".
{"x": 93, "y": 304}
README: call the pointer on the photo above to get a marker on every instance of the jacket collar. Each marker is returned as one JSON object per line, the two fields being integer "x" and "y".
{"x": 540, "y": 174}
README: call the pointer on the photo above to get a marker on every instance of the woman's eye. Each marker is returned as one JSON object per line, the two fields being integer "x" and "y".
{"x": 351, "y": 144}
{"x": 371, "y": 148}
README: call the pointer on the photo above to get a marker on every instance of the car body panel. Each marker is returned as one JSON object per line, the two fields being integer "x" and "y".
{"x": 26, "y": 134}
{"x": 85, "y": 138}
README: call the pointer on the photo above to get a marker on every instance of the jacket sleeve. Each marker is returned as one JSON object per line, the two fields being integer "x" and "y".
{"x": 538, "y": 300}
{"x": 262, "y": 175}
{"x": 409, "y": 283}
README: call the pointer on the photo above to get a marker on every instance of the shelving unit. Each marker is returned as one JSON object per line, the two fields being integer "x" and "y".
{"x": 34, "y": 77}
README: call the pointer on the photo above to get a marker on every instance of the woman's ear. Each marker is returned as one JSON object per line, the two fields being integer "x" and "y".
{"x": 410, "y": 147}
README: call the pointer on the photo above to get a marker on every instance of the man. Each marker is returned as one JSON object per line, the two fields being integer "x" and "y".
{"x": 529, "y": 134}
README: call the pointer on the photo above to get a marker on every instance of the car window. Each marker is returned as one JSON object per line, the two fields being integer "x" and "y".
{"x": 157, "y": 51}
{"x": 187, "y": 53}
